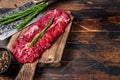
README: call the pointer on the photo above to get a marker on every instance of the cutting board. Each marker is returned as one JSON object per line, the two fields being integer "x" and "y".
{"x": 51, "y": 57}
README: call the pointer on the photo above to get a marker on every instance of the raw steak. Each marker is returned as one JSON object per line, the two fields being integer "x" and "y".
{"x": 21, "y": 49}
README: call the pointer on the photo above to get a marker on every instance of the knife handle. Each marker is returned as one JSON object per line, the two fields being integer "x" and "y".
{"x": 48, "y": 1}
{"x": 37, "y": 1}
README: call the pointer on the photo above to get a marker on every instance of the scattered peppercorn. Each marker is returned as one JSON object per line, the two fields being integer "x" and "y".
{"x": 4, "y": 60}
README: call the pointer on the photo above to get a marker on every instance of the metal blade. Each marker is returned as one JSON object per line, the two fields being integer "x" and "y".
{"x": 7, "y": 32}
{"x": 10, "y": 29}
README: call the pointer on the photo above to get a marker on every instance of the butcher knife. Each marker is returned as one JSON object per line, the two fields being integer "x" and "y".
{"x": 10, "y": 29}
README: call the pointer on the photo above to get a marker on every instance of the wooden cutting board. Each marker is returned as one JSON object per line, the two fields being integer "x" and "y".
{"x": 51, "y": 56}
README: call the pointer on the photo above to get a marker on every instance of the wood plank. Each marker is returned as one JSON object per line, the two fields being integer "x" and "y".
{"x": 27, "y": 71}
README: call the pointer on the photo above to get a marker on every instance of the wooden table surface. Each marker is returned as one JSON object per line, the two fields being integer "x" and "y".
{"x": 92, "y": 51}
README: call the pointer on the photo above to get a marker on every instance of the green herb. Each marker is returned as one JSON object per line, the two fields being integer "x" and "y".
{"x": 16, "y": 18}
{"x": 31, "y": 16}
{"x": 20, "y": 14}
{"x": 35, "y": 39}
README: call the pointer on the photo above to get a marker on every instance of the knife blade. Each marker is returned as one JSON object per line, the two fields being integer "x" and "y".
{"x": 10, "y": 29}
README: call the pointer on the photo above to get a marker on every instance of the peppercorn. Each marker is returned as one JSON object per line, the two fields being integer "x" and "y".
{"x": 4, "y": 60}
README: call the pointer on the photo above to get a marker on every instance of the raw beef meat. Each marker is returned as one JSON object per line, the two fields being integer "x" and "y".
{"x": 21, "y": 49}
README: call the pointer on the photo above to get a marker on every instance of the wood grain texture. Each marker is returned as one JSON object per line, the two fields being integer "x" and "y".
{"x": 92, "y": 49}
{"x": 27, "y": 71}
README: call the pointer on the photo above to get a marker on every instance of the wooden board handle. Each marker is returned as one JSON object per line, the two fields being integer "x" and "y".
{"x": 27, "y": 71}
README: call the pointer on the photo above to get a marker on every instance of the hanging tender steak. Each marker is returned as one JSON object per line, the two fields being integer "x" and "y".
{"x": 21, "y": 49}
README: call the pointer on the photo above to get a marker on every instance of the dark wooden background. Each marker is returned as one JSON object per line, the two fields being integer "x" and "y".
{"x": 92, "y": 51}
